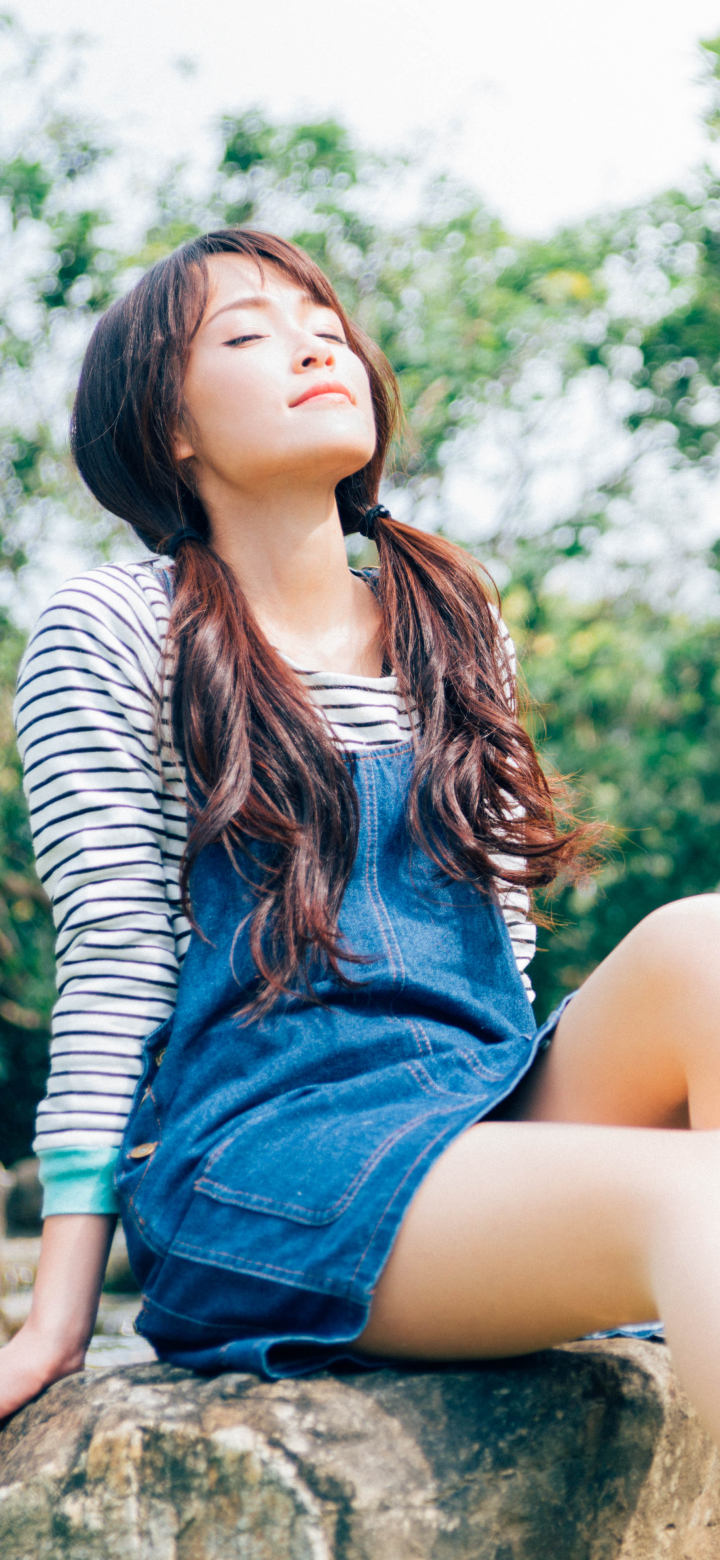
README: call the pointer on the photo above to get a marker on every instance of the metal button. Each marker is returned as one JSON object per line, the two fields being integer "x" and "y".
{"x": 142, "y": 1151}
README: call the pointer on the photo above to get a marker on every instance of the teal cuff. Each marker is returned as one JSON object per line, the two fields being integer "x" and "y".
{"x": 78, "y": 1180}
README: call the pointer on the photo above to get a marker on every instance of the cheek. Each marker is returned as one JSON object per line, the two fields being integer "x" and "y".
{"x": 231, "y": 401}
{"x": 361, "y": 387}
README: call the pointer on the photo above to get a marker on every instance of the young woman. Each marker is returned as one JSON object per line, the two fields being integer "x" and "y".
{"x": 289, "y": 820}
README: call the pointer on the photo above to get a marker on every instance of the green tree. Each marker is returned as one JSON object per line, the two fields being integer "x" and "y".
{"x": 627, "y": 703}
{"x": 627, "y": 690}
{"x": 441, "y": 291}
{"x": 52, "y": 247}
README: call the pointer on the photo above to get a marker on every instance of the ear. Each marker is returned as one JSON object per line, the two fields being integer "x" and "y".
{"x": 182, "y": 448}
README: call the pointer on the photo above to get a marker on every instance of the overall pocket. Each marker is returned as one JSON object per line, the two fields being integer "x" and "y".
{"x": 305, "y": 1155}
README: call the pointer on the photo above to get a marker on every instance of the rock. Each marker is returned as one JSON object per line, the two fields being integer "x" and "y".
{"x": 583, "y": 1453}
{"x": 118, "y": 1349}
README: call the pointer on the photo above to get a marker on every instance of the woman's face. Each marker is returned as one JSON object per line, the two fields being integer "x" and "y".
{"x": 273, "y": 392}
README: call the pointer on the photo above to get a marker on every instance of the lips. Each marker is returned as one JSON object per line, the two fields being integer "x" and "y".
{"x": 325, "y": 387}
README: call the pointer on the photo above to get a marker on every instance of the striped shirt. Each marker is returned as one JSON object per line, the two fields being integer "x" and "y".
{"x": 108, "y": 815}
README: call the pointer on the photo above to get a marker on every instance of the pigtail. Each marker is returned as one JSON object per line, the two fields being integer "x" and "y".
{"x": 479, "y": 796}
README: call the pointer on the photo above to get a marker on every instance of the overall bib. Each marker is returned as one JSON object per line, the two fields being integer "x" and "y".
{"x": 278, "y": 1157}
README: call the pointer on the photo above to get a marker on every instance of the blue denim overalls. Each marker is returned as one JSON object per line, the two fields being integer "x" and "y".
{"x": 287, "y": 1151}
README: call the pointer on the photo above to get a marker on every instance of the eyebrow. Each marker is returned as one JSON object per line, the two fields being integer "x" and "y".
{"x": 259, "y": 301}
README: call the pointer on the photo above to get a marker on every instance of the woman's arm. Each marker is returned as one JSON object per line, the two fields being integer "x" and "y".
{"x": 108, "y": 831}
{"x": 53, "y": 1341}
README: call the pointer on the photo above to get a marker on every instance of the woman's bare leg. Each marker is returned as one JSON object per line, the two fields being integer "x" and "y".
{"x": 531, "y": 1231}
{"x": 526, "y": 1234}
{"x": 639, "y": 1045}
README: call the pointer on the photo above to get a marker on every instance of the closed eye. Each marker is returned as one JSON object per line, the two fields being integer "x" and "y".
{"x": 325, "y": 335}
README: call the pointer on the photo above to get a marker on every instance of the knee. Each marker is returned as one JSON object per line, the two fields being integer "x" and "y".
{"x": 683, "y": 935}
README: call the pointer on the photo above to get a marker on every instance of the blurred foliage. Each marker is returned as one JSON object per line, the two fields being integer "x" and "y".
{"x": 437, "y": 292}
{"x": 627, "y": 704}
{"x": 710, "y": 57}
{"x": 672, "y": 358}
{"x": 56, "y": 272}
{"x": 626, "y": 696}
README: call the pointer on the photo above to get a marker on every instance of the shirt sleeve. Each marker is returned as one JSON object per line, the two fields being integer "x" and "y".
{"x": 515, "y": 902}
{"x": 109, "y": 825}
{"x": 78, "y": 1180}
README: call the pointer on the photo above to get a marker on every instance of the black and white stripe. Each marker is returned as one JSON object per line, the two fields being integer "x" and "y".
{"x": 109, "y": 825}
{"x": 362, "y": 711}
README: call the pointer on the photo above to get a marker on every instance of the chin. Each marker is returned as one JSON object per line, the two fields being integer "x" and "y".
{"x": 339, "y": 458}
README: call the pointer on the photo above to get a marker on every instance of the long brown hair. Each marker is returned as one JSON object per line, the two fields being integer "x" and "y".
{"x": 258, "y": 755}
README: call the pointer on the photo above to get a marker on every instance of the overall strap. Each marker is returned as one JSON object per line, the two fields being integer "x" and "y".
{"x": 167, "y": 583}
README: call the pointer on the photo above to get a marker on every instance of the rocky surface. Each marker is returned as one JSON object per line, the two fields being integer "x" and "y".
{"x": 582, "y": 1453}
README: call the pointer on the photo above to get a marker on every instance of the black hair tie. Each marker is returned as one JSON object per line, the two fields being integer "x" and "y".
{"x": 366, "y": 525}
{"x": 170, "y": 548}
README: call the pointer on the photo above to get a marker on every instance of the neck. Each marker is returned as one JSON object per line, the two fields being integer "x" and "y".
{"x": 287, "y": 553}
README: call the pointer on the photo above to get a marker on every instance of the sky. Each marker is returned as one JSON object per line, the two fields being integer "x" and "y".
{"x": 551, "y": 110}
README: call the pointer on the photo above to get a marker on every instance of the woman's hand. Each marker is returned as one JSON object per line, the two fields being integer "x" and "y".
{"x": 29, "y": 1362}
{"x": 53, "y": 1341}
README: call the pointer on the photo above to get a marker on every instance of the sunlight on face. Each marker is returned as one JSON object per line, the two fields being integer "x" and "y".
{"x": 273, "y": 392}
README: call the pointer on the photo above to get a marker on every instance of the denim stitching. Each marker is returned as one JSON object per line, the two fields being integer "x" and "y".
{"x": 179, "y": 1247}
{"x": 131, "y": 1200}
{"x": 423, "y": 1079}
{"x": 422, "y": 1154}
{"x": 488, "y": 1074}
{"x": 187, "y": 1247}
{"x": 183, "y": 1316}
{"x": 398, "y": 968}
{"x": 418, "y": 1030}
{"x": 253, "y": 1199}
{"x": 370, "y": 800}
{"x": 398, "y": 750}
{"x": 147, "y": 1234}
{"x": 248, "y": 1265}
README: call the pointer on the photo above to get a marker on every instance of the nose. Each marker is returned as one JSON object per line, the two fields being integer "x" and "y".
{"x": 312, "y": 352}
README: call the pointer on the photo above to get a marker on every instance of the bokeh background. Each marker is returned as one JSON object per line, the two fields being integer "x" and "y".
{"x": 524, "y": 209}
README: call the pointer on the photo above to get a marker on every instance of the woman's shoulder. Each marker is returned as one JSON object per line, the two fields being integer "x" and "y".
{"x": 128, "y": 601}
{"x": 116, "y": 590}
{"x": 115, "y": 615}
